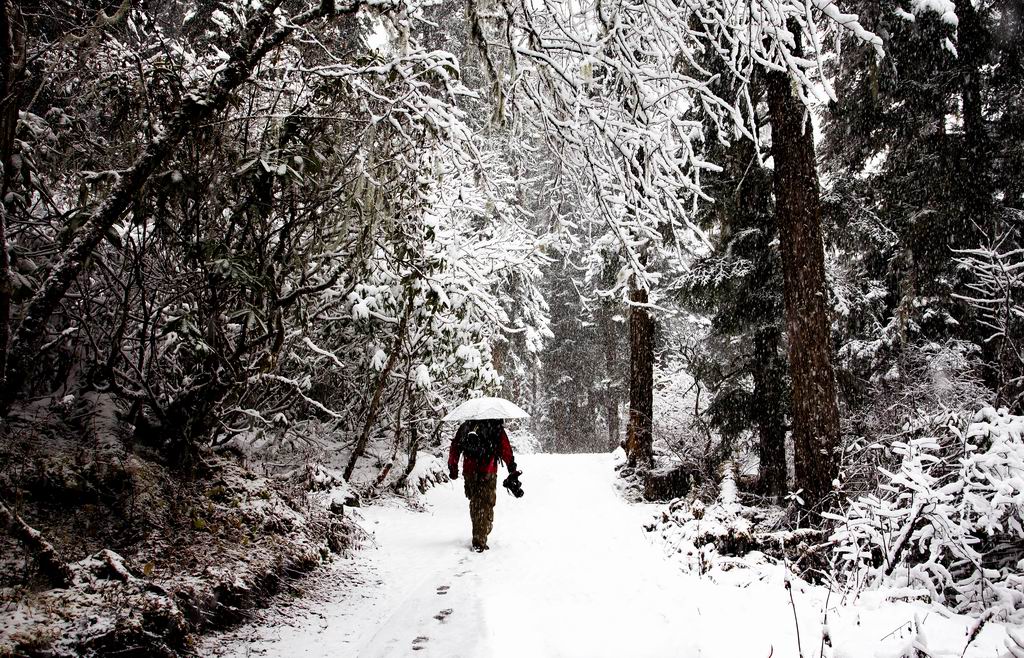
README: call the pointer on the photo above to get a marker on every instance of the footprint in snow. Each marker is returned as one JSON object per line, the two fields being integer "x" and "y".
{"x": 442, "y": 590}
{"x": 441, "y": 616}
{"x": 417, "y": 644}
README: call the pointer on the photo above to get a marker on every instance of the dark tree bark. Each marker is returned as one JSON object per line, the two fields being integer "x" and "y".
{"x": 798, "y": 217}
{"x": 756, "y": 309}
{"x": 976, "y": 201}
{"x": 975, "y": 191}
{"x": 769, "y": 410}
{"x": 972, "y": 49}
{"x": 639, "y": 435}
{"x": 386, "y": 469}
{"x": 414, "y": 446}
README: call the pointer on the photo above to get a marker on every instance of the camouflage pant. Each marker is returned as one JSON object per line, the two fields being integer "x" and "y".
{"x": 481, "y": 489}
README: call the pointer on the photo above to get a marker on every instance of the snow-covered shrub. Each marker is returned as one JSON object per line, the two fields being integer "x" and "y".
{"x": 678, "y": 399}
{"x": 947, "y": 523}
{"x": 428, "y": 471}
{"x": 995, "y": 291}
{"x": 684, "y": 437}
{"x": 726, "y": 534}
{"x": 899, "y": 403}
{"x": 694, "y": 532}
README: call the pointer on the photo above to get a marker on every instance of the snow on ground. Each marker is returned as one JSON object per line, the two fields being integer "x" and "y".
{"x": 571, "y": 573}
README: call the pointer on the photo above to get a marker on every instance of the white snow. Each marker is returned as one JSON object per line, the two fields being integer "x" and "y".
{"x": 571, "y": 573}
{"x": 423, "y": 377}
{"x": 946, "y": 9}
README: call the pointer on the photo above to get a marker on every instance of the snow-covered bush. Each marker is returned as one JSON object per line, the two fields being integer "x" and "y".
{"x": 727, "y": 534}
{"x": 428, "y": 471}
{"x": 684, "y": 435}
{"x": 995, "y": 291}
{"x": 904, "y": 388}
{"x": 947, "y": 524}
{"x": 678, "y": 402}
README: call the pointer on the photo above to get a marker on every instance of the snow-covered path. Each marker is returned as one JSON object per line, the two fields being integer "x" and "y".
{"x": 552, "y": 583}
{"x": 570, "y": 573}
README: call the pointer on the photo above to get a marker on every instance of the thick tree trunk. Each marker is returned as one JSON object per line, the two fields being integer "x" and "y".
{"x": 975, "y": 193}
{"x": 639, "y": 435}
{"x": 769, "y": 411}
{"x": 798, "y": 215}
{"x": 977, "y": 202}
{"x": 611, "y": 412}
{"x": 6, "y": 291}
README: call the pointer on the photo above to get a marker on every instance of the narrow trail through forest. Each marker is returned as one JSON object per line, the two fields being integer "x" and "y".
{"x": 570, "y": 573}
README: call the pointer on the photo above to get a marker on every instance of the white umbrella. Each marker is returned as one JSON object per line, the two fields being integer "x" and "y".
{"x": 482, "y": 408}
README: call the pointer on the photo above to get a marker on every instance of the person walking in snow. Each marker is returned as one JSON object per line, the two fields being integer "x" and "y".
{"x": 482, "y": 443}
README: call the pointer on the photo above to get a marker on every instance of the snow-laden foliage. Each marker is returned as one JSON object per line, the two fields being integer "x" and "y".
{"x": 907, "y": 389}
{"x": 340, "y": 240}
{"x": 425, "y": 298}
{"x": 678, "y": 404}
{"x": 947, "y": 523}
{"x": 684, "y": 431}
{"x": 628, "y": 94}
{"x": 726, "y": 534}
{"x": 321, "y": 202}
{"x": 995, "y": 290}
{"x": 523, "y": 441}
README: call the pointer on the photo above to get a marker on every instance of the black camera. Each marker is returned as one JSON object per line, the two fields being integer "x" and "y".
{"x": 512, "y": 483}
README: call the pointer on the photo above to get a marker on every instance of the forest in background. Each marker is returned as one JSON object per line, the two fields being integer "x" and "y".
{"x": 253, "y": 250}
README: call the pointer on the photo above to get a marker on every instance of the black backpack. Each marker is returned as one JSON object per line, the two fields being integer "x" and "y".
{"x": 480, "y": 441}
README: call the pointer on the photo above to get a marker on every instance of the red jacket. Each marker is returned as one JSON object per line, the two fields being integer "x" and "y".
{"x": 471, "y": 466}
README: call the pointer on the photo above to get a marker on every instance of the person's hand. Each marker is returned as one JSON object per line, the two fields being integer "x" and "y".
{"x": 453, "y": 472}
{"x": 512, "y": 483}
